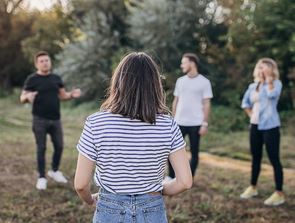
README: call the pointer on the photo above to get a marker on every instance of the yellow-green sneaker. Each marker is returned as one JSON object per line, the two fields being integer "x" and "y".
{"x": 275, "y": 199}
{"x": 249, "y": 192}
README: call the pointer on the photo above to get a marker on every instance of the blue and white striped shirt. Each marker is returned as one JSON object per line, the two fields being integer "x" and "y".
{"x": 130, "y": 155}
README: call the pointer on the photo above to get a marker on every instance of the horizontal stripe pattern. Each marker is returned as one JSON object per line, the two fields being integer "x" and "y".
{"x": 130, "y": 155}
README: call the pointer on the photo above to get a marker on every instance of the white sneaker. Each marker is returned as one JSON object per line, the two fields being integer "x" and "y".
{"x": 57, "y": 176}
{"x": 41, "y": 183}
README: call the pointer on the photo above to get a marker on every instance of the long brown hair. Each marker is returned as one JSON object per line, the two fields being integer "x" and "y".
{"x": 136, "y": 90}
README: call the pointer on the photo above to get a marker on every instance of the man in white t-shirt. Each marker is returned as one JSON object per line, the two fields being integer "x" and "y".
{"x": 191, "y": 106}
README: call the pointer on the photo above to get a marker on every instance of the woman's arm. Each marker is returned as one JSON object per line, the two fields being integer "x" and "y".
{"x": 246, "y": 103}
{"x": 248, "y": 112}
{"x": 83, "y": 177}
{"x": 274, "y": 88}
{"x": 183, "y": 180}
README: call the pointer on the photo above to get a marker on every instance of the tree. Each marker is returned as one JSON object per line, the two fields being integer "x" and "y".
{"x": 52, "y": 30}
{"x": 168, "y": 29}
{"x": 87, "y": 62}
{"x": 15, "y": 25}
{"x": 266, "y": 29}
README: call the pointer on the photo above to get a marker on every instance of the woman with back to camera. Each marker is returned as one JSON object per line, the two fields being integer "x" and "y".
{"x": 260, "y": 103}
{"x": 129, "y": 141}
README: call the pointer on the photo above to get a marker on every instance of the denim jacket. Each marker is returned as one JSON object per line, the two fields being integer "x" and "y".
{"x": 268, "y": 114}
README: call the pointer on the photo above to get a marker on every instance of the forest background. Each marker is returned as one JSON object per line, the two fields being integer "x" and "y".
{"x": 86, "y": 40}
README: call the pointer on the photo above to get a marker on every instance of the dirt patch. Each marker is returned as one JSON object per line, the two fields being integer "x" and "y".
{"x": 243, "y": 166}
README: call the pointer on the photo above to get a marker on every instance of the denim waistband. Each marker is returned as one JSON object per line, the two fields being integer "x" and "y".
{"x": 104, "y": 191}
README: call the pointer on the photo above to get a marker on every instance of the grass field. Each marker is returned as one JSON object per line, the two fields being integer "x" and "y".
{"x": 213, "y": 198}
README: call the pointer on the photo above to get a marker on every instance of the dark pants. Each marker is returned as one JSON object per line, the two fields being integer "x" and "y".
{"x": 41, "y": 127}
{"x": 194, "y": 139}
{"x": 271, "y": 139}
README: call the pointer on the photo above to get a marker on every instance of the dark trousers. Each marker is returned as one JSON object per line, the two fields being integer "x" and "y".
{"x": 271, "y": 139}
{"x": 41, "y": 127}
{"x": 194, "y": 139}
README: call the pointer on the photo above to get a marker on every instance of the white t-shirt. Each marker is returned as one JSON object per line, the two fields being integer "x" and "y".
{"x": 255, "y": 109}
{"x": 190, "y": 93}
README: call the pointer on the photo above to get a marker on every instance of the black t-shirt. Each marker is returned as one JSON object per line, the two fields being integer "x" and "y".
{"x": 46, "y": 103}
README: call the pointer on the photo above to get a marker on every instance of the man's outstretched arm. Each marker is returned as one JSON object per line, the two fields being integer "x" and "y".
{"x": 28, "y": 96}
{"x": 67, "y": 95}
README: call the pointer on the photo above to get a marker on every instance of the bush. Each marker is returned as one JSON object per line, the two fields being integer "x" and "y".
{"x": 226, "y": 119}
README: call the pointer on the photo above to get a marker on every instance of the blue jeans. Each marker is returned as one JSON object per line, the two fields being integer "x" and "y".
{"x": 114, "y": 208}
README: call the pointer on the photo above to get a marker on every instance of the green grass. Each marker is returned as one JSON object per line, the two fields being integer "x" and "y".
{"x": 213, "y": 198}
{"x": 236, "y": 145}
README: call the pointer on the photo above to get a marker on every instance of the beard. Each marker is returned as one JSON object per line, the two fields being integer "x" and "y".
{"x": 186, "y": 71}
{"x": 45, "y": 69}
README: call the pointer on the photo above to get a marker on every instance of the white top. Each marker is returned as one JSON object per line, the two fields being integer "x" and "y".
{"x": 190, "y": 93}
{"x": 255, "y": 109}
{"x": 130, "y": 155}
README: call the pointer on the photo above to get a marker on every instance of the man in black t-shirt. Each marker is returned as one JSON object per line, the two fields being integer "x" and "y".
{"x": 44, "y": 90}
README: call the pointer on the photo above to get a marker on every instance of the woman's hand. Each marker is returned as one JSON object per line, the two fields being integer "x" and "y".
{"x": 95, "y": 198}
{"x": 269, "y": 80}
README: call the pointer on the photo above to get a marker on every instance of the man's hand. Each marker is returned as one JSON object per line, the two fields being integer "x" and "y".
{"x": 31, "y": 96}
{"x": 203, "y": 130}
{"x": 75, "y": 93}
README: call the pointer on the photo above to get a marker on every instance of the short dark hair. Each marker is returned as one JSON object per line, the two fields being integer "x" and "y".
{"x": 136, "y": 90}
{"x": 39, "y": 54}
{"x": 192, "y": 57}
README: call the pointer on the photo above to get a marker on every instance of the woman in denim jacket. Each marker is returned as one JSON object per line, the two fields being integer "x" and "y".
{"x": 260, "y": 103}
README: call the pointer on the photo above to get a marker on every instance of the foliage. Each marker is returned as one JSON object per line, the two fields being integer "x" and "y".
{"x": 86, "y": 62}
{"x": 227, "y": 119}
{"x": 15, "y": 25}
{"x": 266, "y": 29}
{"x": 91, "y": 36}
{"x": 170, "y": 28}
{"x": 52, "y": 29}
{"x": 24, "y": 32}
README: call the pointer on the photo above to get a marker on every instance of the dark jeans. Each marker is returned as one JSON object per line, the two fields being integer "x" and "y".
{"x": 194, "y": 139}
{"x": 271, "y": 139}
{"x": 41, "y": 127}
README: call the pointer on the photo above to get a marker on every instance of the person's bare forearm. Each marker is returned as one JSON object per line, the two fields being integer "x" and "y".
{"x": 28, "y": 96}
{"x": 66, "y": 96}
{"x": 174, "y": 187}
{"x": 85, "y": 195}
{"x": 183, "y": 180}
{"x": 174, "y": 105}
{"x": 206, "y": 110}
{"x": 83, "y": 178}
{"x": 24, "y": 98}
{"x": 248, "y": 112}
